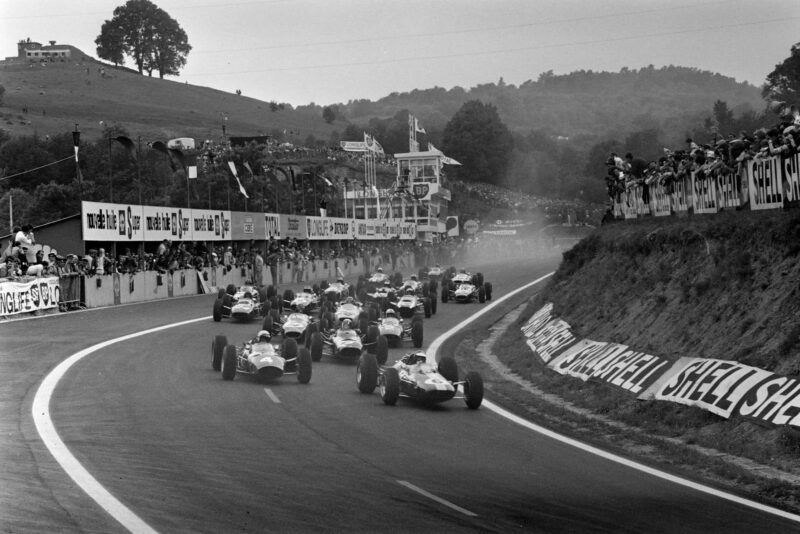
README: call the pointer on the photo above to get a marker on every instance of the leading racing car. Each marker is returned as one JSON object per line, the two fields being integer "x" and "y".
{"x": 464, "y": 287}
{"x": 260, "y": 358}
{"x": 243, "y": 304}
{"x": 416, "y": 376}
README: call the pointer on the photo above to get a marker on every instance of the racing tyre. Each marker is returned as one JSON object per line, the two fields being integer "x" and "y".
{"x": 448, "y": 369}
{"x": 271, "y": 291}
{"x": 274, "y": 303}
{"x": 417, "y": 318}
{"x": 229, "y": 363}
{"x": 397, "y": 279}
{"x": 276, "y": 316}
{"x": 220, "y": 292}
{"x": 227, "y": 303}
{"x": 367, "y": 373}
{"x": 315, "y": 289}
{"x": 217, "y": 310}
{"x": 363, "y": 325}
{"x": 312, "y": 329}
{"x": 421, "y": 273}
{"x": 316, "y": 346}
{"x": 473, "y": 390}
{"x": 324, "y": 285}
{"x": 268, "y": 324}
{"x": 426, "y": 303}
{"x": 361, "y": 294}
{"x": 372, "y": 337}
{"x": 416, "y": 334}
{"x": 288, "y": 296}
{"x": 262, "y": 297}
{"x": 479, "y": 279}
{"x": 426, "y": 289}
{"x": 445, "y": 294}
{"x": 433, "y": 304}
{"x": 390, "y": 386}
{"x": 289, "y": 350}
{"x": 372, "y": 313}
{"x": 382, "y": 349}
{"x": 481, "y": 294}
{"x": 231, "y": 289}
{"x": 304, "y": 366}
{"x": 217, "y": 349}
{"x": 488, "y": 289}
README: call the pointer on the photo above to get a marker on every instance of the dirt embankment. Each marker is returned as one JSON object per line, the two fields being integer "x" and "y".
{"x": 723, "y": 286}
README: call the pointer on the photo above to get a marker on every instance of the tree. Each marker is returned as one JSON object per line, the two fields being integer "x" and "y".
{"x": 328, "y": 114}
{"x": 783, "y": 83}
{"x": 479, "y": 140}
{"x": 146, "y": 33}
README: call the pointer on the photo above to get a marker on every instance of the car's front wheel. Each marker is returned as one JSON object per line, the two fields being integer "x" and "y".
{"x": 390, "y": 386}
{"x": 473, "y": 390}
{"x": 229, "y": 363}
{"x": 367, "y": 373}
{"x": 304, "y": 366}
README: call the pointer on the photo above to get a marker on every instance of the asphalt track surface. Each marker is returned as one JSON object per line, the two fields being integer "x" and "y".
{"x": 185, "y": 451}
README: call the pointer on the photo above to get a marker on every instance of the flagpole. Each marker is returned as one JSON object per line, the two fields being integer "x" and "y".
{"x": 138, "y": 171}
{"x": 76, "y": 137}
{"x": 110, "y": 175}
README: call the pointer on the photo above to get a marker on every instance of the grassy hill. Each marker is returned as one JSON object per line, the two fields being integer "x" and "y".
{"x": 723, "y": 286}
{"x": 59, "y": 95}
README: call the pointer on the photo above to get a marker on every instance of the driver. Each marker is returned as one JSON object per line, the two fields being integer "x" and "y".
{"x": 349, "y": 300}
{"x": 391, "y": 313}
{"x": 346, "y": 324}
{"x": 413, "y": 277}
{"x": 414, "y": 358}
{"x": 379, "y": 269}
{"x": 263, "y": 336}
{"x": 308, "y": 289}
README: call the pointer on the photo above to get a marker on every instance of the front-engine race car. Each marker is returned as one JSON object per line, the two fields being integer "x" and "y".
{"x": 464, "y": 287}
{"x": 415, "y": 376}
{"x": 243, "y": 304}
{"x": 260, "y": 358}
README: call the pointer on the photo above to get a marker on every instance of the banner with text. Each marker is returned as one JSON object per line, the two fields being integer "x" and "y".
{"x": 31, "y": 296}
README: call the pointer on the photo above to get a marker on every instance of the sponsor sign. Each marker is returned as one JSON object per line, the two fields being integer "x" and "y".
{"x": 764, "y": 183}
{"x": 384, "y": 229}
{"x": 471, "y": 227}
{"x": 659, "y": 200}
{"x": 791, "y": 177}
{"x": 551, "y": 339}
{"x": 103, "y": 221}
{"x": 209, "y": 225}
{"x": 681, "y": 195}
{"x": 704, "y": 194}
{"x": 353, "y": 146}
{"x": 27, "y": 297}
{"x": 272, "y": 222}
{"x": 246, "y": 226}
{"x": 293, "y": 226}
{"x": 729, "y": 190}
{"x": 329, "y": 228}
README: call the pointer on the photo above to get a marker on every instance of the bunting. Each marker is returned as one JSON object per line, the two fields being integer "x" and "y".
{"x": 128, "y": 144}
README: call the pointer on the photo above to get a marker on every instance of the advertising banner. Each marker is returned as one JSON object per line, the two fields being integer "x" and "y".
{"x": 384, "y": 229}
{"x": 293, "y": 226}
{"x": 103, "y": 221}
{"x": 210, "y": 225}
{"x": 246, "y": 226}
{"x": 319, "y": 228}
{"x": 791, "y": 177}
{"x": 166, "y": 223}
{"x": 659, "y": 200}
{"x": 27, "y": 297}
{"x": 764, "y": 183}
{"x": 729, "y": 190}
{"x": 704, "y": 194}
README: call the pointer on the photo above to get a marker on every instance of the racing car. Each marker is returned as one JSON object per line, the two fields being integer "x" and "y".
{"x": 347, "y": 343}
{"x": 336, "y": 291}
{"x": 464, "y": 287}
{"x": 244, "y": 304}
{"x": 306, "y": 301}
{"x": 260, "y": 358}
{"x": 396, "y": 330}
{"x": 378, "y": 277}
{"x": 410, "y": 304}
{"x": 416, "y": 376}
{"x": 296, "y": 325}
{"x": 434, "y": 274}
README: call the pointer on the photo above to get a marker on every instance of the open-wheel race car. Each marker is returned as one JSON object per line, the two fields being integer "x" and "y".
{"x": 335, "y": 291}
{"x": 306, "y": 301}
{"x": 379, "y": 277}
{"x": 396, "y": 330}
{"x": 243, "y": 304}
{"x": 348, "y": 343}
{"x": 294, "y": 325}
{"x": 411, "y": 304}
{"x": 261, "y": 358}
{"x": 415, "y": 377}
{"x": 465, "y": 287}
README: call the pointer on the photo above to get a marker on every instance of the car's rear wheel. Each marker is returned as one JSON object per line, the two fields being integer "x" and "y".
{"x": 229, "y": 363}
{"x": 268, "y": 324}
{"x": 372, "y": 337}
{"x": 416, "y": 334}
{"x": 426, "y": 304}
{"x": 289, "y": 350}
{"x": 444, "y": 293}
{"x": 390, "y": 386}
{"x": 217, "y": 350}
{"x": 271, "y": 291}
{"x": 220, "y": 292}
{"x": 227, "y": 303}
{"x": 433, "y": 303}
{"x": 311, "y": 329}
{"x": 288, "y": 296}
{"x": 367, "y": 373}
{"x": 481, "y": 295}
{"x": 304, "y": 366}
{"x": 231, "y": 289}
{"x": 217, "y": 313}
{"x": 488, "y": 289}
{"x": 473, "y": 390}
{"x": 316, "y": 346}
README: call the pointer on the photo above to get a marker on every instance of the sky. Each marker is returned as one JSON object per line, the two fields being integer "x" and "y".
{"x": 334, "y": 51}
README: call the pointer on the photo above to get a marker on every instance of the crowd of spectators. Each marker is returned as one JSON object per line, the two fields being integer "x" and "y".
{"x": 719, "y": 158}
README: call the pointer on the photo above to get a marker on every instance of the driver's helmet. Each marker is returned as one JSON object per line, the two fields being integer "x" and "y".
{"x": 387, "y": 283}
{"x": 380, "y": 269}
{"x": 409, "y": 291}
{"x": 307, "y": 289}
{"x": 346, "y": 324}
{"x": 437, "y": 266}
{"x": 414, "y": 277}
{"x": 349, "y": 300}
{"x": 263, "y": 336}
{"x": 391, "y": 313}
{"x": 340, "y": 280}
{"x": 463, "y": 271}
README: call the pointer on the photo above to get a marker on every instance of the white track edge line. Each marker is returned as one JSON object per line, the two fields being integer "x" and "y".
{"x": 436, "y": 344}
{"x": 71, "y": 466}
{"x": 273, "y": 397}
{"x": 436, "y": 498}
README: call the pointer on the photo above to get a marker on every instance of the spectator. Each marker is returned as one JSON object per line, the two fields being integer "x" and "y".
{"x": 258, "y": 269}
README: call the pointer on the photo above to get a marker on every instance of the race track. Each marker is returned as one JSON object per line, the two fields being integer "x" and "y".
{"x": 186, "y": 451}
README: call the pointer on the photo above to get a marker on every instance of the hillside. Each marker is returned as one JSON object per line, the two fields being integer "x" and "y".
{"x": 724, "y": 287}
{"x": 59, "y": 95}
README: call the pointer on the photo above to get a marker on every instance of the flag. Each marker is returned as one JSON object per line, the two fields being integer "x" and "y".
{"x": 128, "y": 144}
{"x": 291, "y": 172}
{"x": 283, "y": 172}
{"x": 418, "y": 128}
{"x": 372, "y": 144}
{"x": 247, "y": 166}
{"x": 325, "y": 179}
{"x": 176, "y": 159}
{"x": 191, "y": 171}
{"x": 232, "y": 167}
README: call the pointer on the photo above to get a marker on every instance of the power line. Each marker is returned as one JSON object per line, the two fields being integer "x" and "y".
{"x": 36, "y": 169}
